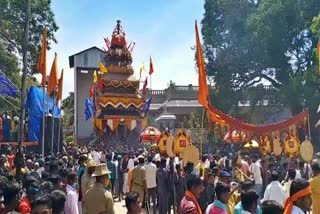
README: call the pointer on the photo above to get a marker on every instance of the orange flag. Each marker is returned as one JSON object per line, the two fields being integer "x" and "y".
{"x": 60, "y": 84}
{"x": 42, "y": 61}
{"x": 151, "y": 67}
{"x": 203, "y": 87}
{"x": 318, "y": 48}
{"x": 53, "y": 79}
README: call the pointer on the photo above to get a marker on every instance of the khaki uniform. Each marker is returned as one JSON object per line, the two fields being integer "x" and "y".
{"x": 87, "y": 181}
{"x": 138, "y": 180}
{"x": 98, "y": 200}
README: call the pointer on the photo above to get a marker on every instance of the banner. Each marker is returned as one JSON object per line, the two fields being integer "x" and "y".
{"x": 289, "y": 132}
{"x": 35, "y": 108}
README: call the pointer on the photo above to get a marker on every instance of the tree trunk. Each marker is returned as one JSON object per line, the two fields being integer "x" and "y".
{"x": 19, "y": 156}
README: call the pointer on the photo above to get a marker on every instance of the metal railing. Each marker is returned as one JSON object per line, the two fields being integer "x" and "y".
{"x": 191, "y": 92}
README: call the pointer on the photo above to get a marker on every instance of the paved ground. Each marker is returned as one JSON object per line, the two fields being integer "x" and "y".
{"x": 120, "y": 208}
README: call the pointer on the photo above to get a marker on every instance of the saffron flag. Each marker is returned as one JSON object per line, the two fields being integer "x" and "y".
{"x": 60, "y": 88}
{"x": 144, "y": 89}
{"x": 203, "y": 87}
{"x": 103, "y": 69}
{"x": 151, "y": 67}
{"x": 95, "y": 76}
{"x": 53, "y": 78}
{"x": 318, "y": 48}
{"x": 42, "y": 61}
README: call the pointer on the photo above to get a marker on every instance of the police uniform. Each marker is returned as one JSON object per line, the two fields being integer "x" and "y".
{"x": 98, "y": 199}
{"x": 139, "y": 180}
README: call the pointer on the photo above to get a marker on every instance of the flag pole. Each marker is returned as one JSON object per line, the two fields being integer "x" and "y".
{"x": 150, "y": 83}
{"x": 201, "y": 140}
{"x": 309, "y": 130}
{"x": 59, "y": 123}
{"x": 43, "y": 119}
{"x": 52, "y": 124}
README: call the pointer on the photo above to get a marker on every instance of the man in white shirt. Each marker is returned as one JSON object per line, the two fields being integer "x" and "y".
{"x": 256, "y": 172}
{"x": 71, "y": 205}
{"x": 131, "y": 162}
{"x": 275, "y": 190}
{"x": 151, "y": 180}
{"x": 96, "y": 156}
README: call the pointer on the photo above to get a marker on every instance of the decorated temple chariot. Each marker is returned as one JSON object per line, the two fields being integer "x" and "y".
{"x": 117, "y": 99}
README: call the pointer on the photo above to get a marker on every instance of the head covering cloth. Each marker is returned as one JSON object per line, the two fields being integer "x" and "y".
{"x": 289, "y": 202}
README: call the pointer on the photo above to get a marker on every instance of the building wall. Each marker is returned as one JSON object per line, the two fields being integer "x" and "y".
{"x": 85, "y": 64}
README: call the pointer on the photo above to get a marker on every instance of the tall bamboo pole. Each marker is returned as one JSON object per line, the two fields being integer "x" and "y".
{"x": 43, "y": 120}
{"x": 59, "y": 124}
{"x": 24, "y": 72}
{"x": 19, "y": 157}
{"x": 309, "y": 128}
{"x": 52, "y": 124}
{"x": 201, "y": 136}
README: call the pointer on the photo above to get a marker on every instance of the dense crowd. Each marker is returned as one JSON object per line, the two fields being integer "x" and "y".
{"x": 122, "y": 142}
{"x": 91, "y": 180}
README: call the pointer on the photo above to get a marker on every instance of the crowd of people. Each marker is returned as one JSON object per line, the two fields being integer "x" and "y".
{"x": 123, "y": 142}
{"x": 91, "y": 180}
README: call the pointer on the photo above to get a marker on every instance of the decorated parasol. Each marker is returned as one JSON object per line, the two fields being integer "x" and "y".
{"x": 150, "y": 134}
{"x": 252, "y": 144}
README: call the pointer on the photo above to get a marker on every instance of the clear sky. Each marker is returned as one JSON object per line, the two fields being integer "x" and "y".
{"x": 162, "y": 29}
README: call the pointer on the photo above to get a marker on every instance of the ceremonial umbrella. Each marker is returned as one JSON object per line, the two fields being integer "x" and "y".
{"x": 252, "y": 144}
{"x": 150, "y": 134}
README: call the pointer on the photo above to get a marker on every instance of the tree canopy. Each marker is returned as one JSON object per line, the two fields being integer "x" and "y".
{"x": 68, "y": 108}
{"x": 247, "y": 43}
{"x": 12, "y": 19}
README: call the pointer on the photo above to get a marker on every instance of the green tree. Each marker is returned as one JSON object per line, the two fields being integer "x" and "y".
{"x": 12, "y": 19}
{"x": 12, "y": 16}
{"x": 68, "y": 107}
{"x": 195, "y": 120}
{"x": 250, "y": 42}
